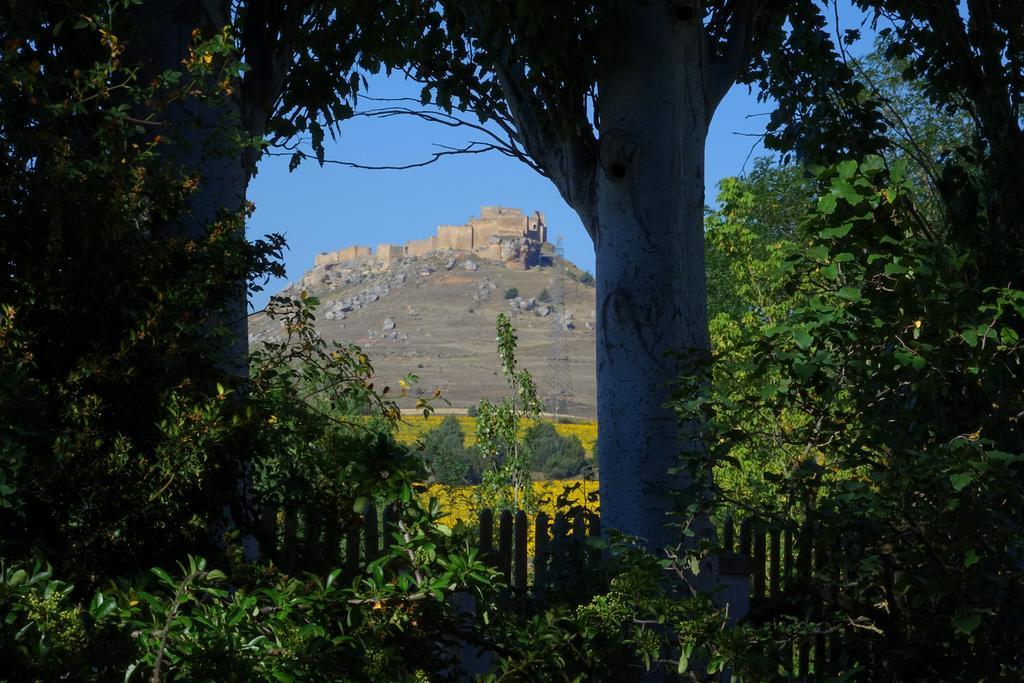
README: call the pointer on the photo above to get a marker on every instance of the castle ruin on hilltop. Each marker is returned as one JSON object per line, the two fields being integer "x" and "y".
{"x": 498, "y": 234}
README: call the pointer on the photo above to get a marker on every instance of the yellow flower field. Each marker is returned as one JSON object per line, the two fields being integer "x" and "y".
{"x": 414, "y": 427}
{"x": 459, "y": 504}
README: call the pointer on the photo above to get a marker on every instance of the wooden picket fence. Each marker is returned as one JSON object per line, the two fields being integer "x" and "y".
{"x": 780, "y": 560}
{"x": 783, "y": 561}
{"x": 299, "y": 539}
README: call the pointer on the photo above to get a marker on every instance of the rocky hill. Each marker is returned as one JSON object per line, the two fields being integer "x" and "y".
{"x": 433, "y": 315}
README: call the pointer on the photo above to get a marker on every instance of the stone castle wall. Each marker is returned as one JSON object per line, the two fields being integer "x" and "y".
{"x": 455, "y": 237}
{"x": 488, "y": 235}
{"x": 346, "y": 254}
{"x": 390, "y": 252}
{"x": 417, "y": 248}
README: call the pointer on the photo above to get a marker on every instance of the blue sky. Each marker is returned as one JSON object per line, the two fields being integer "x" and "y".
{"x": 322, "y": 209}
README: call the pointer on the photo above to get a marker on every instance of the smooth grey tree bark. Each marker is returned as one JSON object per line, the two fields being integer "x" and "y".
{"x": 649, "y": 243}
{"x": 638, "y": 186}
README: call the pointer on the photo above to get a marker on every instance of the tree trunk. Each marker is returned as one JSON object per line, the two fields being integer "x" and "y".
{"x": 202, "y": 134}
{"x": 651, "y": 290}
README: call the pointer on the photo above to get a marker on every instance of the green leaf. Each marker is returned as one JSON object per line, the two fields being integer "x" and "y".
{"x": 803, "y": 338}
{"x": 872, "y": 164}
{"x": 838, "y": 231}
{"x": 819, "y": 252}
{"x": 966, "y": 624}
{"x": 804, "y": 370}
{"x": 849, "y": 293}
{"x": 847, "y": 192}
{"x": 961, "y": 481}
{"x": 847, "y": 168}
{"x": 163, "y": 575}
{"x": 1002, "y": 455}
{"x": 684, "y": 661}
{"x": 898, "y": 170}
{"x": 970, "y": 557}
{"x": 360, "y": 504}
{"x": 827, "y": 204}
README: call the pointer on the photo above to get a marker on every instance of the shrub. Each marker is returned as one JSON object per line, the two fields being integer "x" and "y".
{"x": 554, "y": 455}
{"x": 511, "y": 293}
{"x": 544, "y": 296}
{"x": 884, "y": 327}
{"x": 444, "y": 452}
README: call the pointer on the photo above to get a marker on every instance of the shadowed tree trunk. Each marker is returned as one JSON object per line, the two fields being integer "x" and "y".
{"x": 300, "y": 56}
{"x": 648, "y": 214}
{"x": 201, "y": 135}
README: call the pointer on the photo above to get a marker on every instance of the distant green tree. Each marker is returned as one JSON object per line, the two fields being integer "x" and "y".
{"x": 445, "y": 453}
{"x": 506, "y": 481}
{"x": 554, "y": 455}
{"x": 511, "y": 293}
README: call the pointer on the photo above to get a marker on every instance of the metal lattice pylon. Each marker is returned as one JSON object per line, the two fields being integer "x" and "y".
{"x": 559, "y": 387}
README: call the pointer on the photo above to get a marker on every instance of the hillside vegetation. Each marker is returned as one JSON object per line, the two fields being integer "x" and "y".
{"x": 411, "y": 429}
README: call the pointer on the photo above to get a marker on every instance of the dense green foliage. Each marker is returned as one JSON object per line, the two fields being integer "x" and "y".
{"x": 867, "y": 383}
{"x": 882, "y": 408}
{"x": 867, "y": 376}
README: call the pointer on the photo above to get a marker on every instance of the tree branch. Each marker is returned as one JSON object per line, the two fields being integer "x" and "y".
{"x": 569, "y": 160}
{"x": 509, "y": 146}
{"x": 726, "y": 68}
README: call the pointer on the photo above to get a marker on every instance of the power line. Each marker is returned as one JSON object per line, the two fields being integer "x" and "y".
{"x": 559, "y": 379}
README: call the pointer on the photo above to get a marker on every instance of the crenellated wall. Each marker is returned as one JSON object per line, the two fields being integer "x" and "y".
{"x": 484, "y": 234}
